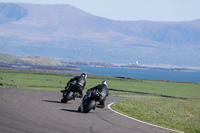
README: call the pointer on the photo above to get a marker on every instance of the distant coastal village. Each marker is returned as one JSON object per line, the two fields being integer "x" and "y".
{"x": 38, "y": 63}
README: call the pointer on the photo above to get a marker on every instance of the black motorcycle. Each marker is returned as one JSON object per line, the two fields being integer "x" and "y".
{"x": 89, "y": 101}
{"x": 70, "y": 93}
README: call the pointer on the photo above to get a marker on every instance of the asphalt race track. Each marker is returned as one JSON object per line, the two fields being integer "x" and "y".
{"x": 31, "y": 111}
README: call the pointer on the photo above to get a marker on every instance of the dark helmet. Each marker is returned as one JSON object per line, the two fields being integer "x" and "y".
{"x": 84, "y": 75}
{"x": 104, "y": 83}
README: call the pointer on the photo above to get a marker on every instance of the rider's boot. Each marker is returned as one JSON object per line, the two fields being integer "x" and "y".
{"x": 64, "y": 89}
{"x": 80, "y": 95}
{"x": 80, "y": 107}
{"x": 101, "y": 105}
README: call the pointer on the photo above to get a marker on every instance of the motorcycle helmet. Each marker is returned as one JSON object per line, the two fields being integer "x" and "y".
{"x": 84, "y": 75}
{"x": 105, "y": 83}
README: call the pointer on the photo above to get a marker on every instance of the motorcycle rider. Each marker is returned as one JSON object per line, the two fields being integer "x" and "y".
{"x": 103, "y": 90}
{"x": 77, "y": 82}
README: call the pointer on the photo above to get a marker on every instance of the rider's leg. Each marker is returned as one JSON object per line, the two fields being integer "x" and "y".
{"x": 67, "y": 86}
{"x": 101, "y": 103}
{"x": 80, "y": 91}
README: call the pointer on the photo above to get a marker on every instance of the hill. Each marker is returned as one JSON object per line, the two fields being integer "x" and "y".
{"x": 65, "y": 32}
{"x": 36, "y": 64}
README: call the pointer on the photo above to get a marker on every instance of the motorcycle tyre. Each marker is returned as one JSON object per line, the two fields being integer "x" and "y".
{"x": 69, "y": 96}
{"x": 90, "y": 106}
{"x": 63, "y": 100}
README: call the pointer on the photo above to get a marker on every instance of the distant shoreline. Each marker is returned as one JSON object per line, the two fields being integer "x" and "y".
{"x": 74, "y": 68}
{"x": 144, "y": 67}
{"x": 39, "y": 63}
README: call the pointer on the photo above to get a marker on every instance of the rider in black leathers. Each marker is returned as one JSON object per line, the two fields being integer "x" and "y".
{"x": 79, "y": 83}
{"x": 102, "y": 88}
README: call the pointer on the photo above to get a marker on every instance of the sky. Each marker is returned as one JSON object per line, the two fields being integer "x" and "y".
{"x": 132, "y": 10}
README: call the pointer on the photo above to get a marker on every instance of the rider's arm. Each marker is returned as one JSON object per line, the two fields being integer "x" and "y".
{"x": 94, "y": 88}
{"x": 74, "y": 79}
{"x": 107, "y": 91}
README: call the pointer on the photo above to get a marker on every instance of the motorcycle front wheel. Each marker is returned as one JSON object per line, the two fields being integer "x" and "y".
{"x": 63, "y": 100}
{"x": 89, "y": 106}
{"x": 67, "y": 97}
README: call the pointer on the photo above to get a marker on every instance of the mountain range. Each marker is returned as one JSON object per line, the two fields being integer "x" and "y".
{"x": 65, "y": 32}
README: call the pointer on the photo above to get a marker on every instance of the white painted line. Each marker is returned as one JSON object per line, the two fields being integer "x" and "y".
{"x": 109, "y": 107}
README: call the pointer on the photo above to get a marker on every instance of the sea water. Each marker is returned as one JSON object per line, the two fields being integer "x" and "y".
{"x": 178, "y": 76}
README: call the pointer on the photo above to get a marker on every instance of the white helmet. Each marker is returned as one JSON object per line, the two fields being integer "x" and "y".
{"x": 84, "y": 75}
{"x": 104, "y": 83}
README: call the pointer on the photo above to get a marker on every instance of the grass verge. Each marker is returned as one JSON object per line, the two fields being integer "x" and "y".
{"x": 177, "y": 114}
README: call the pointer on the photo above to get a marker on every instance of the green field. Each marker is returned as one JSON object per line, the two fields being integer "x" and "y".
{"x": 168, "y": 104}
{"x": 56, "y": 82}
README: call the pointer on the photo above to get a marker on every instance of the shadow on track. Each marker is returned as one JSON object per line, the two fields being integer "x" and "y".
{"x": 70, "y": 110}
{"x": 51, "y": 101}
